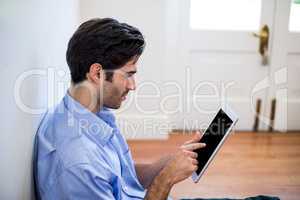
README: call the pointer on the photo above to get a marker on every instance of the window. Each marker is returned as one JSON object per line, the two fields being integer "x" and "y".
{"x": 294, "y": 25}
{"x": 233, "y": 15}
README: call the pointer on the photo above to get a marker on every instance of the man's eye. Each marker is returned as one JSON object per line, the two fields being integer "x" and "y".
{"x": 130, "y": 75}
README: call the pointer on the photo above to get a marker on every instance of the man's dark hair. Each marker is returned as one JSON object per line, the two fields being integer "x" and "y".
{"x": 105, "y": 41}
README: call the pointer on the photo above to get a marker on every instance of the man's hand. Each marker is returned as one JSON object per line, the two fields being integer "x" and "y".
{"x": 184, "y": 162}
{"x": 180, "y": 167}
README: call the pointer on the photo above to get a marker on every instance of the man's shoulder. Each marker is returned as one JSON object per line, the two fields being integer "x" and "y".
{"x": 64, "y": 149}
{"x": 63, "y": 141}
{"x": 55, "y": 116}
{"x": 58, "y": 124}
{"x": 63, "y": 132}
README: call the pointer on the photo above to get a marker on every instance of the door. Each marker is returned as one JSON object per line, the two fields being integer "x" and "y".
{"x": 285, "y": 66}
{"x": 223, "y": 61}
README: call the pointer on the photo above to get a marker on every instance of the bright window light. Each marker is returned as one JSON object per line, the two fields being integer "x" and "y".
{"x": 233, "y": 15}
{"x": 294, "y": 25}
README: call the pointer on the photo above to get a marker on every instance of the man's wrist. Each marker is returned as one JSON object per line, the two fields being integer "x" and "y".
{"x": 166, "y": 177}
{"x": 160, "y": 187}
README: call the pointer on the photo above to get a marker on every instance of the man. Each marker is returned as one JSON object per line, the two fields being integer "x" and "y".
{"x": 79, "y": 151}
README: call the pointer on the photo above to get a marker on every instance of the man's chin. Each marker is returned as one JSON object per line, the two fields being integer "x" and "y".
{"x": 114, "y": 106}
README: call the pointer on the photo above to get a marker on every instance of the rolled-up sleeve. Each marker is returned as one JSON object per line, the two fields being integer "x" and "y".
{"x": 80, "y": 183}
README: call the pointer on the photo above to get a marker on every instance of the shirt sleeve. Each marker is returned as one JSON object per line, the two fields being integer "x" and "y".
{"x": 80, "y": 183}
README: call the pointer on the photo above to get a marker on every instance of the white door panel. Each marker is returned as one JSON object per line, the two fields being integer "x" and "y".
{"x": 285, "y": 70}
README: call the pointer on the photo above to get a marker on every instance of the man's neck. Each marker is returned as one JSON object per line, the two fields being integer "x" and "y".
{"x": 85, "y": 94}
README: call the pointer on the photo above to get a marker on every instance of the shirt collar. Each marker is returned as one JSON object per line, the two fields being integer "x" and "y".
{"x": 106, "y": 115}
{"x": 93, "y": 124}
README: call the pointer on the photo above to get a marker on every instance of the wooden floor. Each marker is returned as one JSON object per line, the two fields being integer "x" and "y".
{"x": 248, "y": 164}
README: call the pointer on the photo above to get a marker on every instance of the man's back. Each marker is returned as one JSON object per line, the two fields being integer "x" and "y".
{"x": 82, "y": 155}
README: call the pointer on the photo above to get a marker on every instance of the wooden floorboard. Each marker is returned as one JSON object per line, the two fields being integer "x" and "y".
{"x": 248, "y": 164}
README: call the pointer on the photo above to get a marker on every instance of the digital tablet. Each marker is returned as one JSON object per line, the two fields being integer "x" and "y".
{"x": 214, "y": 136}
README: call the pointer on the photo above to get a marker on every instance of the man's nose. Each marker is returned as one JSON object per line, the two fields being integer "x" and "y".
{"x": 131, "y": 84}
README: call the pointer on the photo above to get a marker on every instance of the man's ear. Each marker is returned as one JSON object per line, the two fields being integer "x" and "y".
{"x": 95, "y": 73}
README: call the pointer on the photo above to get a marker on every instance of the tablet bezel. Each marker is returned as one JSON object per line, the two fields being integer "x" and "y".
{"x": 231, "y": 114}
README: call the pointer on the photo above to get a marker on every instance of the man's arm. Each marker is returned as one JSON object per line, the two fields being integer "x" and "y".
{"x": 146, "y": 172}
{"x": 177, "y": 168}
{"x": 180, "y": 167}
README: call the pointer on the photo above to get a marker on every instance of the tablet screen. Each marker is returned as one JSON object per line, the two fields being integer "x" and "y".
{"x": 212, "y": 137}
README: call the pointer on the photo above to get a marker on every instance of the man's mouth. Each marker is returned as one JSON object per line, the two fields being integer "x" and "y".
{"x": 124, "y": 96}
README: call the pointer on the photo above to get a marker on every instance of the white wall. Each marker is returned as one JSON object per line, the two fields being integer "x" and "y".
{"x": 33, "y": 35}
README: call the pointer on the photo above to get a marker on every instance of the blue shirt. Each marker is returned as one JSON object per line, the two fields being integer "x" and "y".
{"x": 82, "y": 155}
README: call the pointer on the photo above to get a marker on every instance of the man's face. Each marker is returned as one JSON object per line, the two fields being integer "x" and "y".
{"x": 123, "y": 80}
